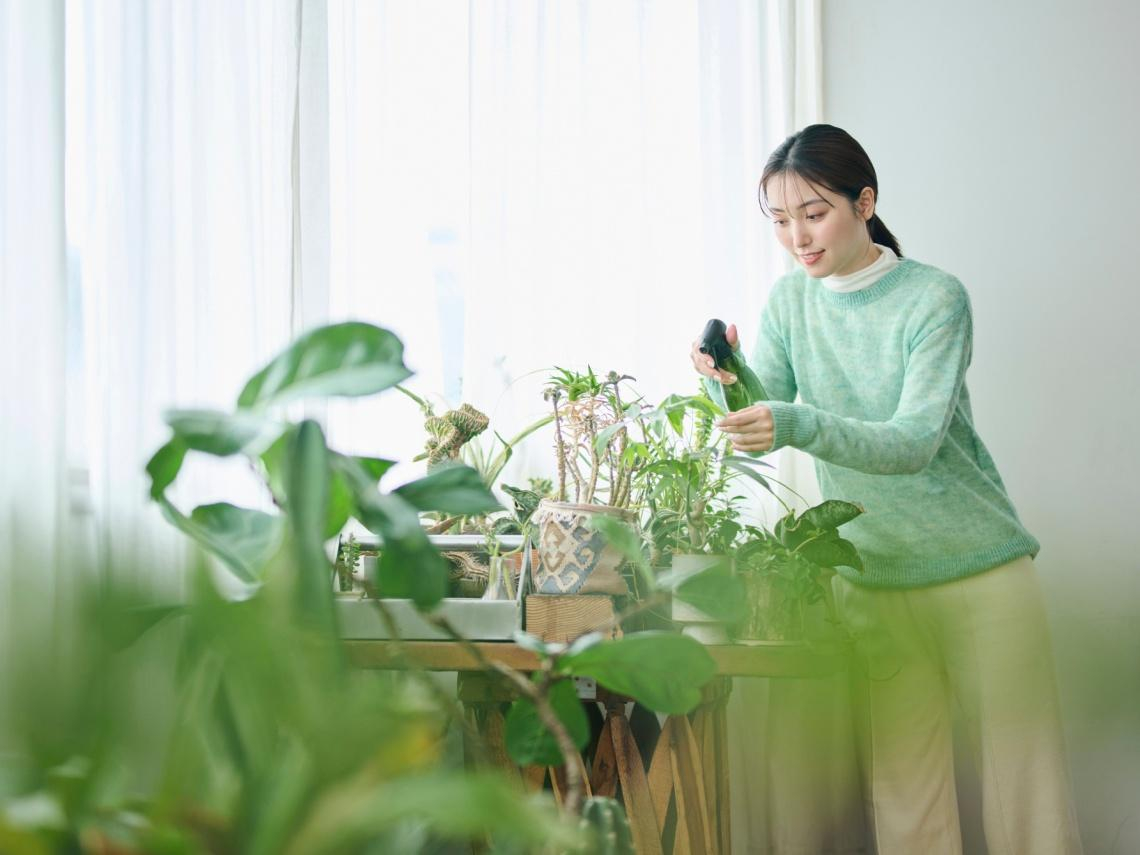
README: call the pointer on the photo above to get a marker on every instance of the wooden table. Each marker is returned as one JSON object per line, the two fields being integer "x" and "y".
{"x": 678, "y": 801}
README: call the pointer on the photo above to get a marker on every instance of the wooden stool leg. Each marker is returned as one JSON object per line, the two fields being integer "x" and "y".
{"x": 558, "y": 779}
{"x": 603, "y": 777}
{"x": 723, "y": 790}
{"x": 493, "y": 729}
{"x": 634, "y": 786}
{"x": 689, "y": 788}
{"x": 661, "y": 776}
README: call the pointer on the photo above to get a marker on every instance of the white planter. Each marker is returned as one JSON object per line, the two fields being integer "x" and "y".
{"x": 694, "y": 622}
{"x": 479, "y": 620}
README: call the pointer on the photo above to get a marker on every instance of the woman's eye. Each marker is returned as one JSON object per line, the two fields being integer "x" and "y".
{"x": 815, "y": 216}
{"x": 781, "y": 222}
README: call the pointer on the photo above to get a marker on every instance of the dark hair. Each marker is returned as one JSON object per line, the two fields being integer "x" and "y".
{"x": 832, "y": 158}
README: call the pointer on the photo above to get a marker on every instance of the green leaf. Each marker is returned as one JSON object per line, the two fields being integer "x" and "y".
{"x": 625, "y": 539}
{"x": 742, "y": 465}
{"x": 348, "y": 359}
{"x": 341, "y": 504}
{"x": 216, "y": 432}
{"x": 831, "y": 514}
{"x": 243, "y": 539}
{"x": 409, "y": 565}
{"x": 832, "y": 551}
{"x": 528, "y": 741}
{"x": 471, "y": 805}
{"x": 273, "y": 461}
{"x": 661, "y": 670}
{"x": 453, "y": 489}
{"x": 279, "y": 797}
{"x": 307, "y": 478}
{"x": 164, "y": 466}
{"x": 376, "y": 467}
{"x": 790, "y": 530}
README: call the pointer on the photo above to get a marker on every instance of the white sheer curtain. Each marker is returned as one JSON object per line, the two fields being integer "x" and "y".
{"x": 181, "y": 122}
{"x": 516, "y": 185}
{"x": 508, "y": 185}
{"x": 33, "y": 304}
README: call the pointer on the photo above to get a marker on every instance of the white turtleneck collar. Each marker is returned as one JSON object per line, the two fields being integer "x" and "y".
{"x": 869, "y": 275}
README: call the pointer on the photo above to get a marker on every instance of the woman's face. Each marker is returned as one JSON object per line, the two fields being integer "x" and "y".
{"x": 823, "y": 230}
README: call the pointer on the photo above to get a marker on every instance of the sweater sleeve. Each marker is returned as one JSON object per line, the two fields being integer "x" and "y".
{"x": 908, "y": 441}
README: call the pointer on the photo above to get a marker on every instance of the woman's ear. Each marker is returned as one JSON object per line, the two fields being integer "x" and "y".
{"x": 865, "y": 204}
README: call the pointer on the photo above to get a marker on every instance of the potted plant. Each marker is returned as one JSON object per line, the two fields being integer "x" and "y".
{"x": 691, "y": 516}
{"x": 595, "y": 461}
{"x": 789, "y": 569}
{"x": 457, "y": 436}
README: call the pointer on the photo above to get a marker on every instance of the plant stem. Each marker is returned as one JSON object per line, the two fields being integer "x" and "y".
{"x": 539, "y": 695}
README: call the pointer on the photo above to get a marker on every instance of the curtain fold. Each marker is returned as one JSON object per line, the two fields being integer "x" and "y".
{"x": 183, "y": 234}
{"x": 508, "y": 185}
{"x": 34, "y": 343}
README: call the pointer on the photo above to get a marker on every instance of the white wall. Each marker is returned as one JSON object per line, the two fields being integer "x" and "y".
{"x": 1006, "y": 137}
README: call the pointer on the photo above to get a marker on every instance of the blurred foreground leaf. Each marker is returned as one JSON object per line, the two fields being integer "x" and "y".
{"x": 665, "y": 672}
{"x": 527, "y": 739}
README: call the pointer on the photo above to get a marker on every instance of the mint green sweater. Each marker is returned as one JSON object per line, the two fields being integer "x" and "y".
{"x": 886, "y": 414}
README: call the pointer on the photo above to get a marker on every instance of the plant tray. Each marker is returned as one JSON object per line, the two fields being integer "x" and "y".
{"x": 478, "y": 620}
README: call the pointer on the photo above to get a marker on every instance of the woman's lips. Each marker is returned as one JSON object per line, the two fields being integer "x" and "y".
{"x": 809, "y": 260}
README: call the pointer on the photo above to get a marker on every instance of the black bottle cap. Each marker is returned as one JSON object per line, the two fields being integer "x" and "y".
{"x": 714, "y": 342}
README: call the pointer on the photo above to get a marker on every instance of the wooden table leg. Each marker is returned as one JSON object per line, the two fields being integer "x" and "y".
{"x": 634, "y": 784}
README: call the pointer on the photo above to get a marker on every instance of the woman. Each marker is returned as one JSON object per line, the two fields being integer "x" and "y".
{"x": 948, "y": 608}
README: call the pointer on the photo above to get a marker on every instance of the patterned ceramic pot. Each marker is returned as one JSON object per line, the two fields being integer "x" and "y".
{"x": 574, "y": 558}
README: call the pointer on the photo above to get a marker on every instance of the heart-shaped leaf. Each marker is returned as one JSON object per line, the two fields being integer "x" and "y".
{"x": 831, "y": 514}
{"x": 526, "y": 737}
{"x": 454, "y": 489}
{"x": 164, "y": 466}
{"x": 216, "y": 432}
{"x": 242, "y": 538}
{"x": 348, "y": 359}
{"x": 661, "y": 670}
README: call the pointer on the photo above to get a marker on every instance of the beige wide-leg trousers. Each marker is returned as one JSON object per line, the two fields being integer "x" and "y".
{"x": 983, "y": 643}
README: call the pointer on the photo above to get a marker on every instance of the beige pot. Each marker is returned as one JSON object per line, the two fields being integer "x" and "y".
{"x": 574, "y": 558}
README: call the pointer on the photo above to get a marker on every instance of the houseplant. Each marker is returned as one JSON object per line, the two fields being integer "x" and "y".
{"x": 594, "y": 457}
{"x": 790, "y": 568}
{"x": 281, "y": 556}
{"x": 690, "y": 512}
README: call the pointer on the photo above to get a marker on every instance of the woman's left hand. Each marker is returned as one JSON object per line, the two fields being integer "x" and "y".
{"x": 750, "y": 429}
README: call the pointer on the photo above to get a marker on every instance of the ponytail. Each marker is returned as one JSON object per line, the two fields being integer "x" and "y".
{"x": 882, "y": 235}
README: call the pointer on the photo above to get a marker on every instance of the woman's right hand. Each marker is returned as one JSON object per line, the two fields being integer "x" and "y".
{"x": 704, "y": 363}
